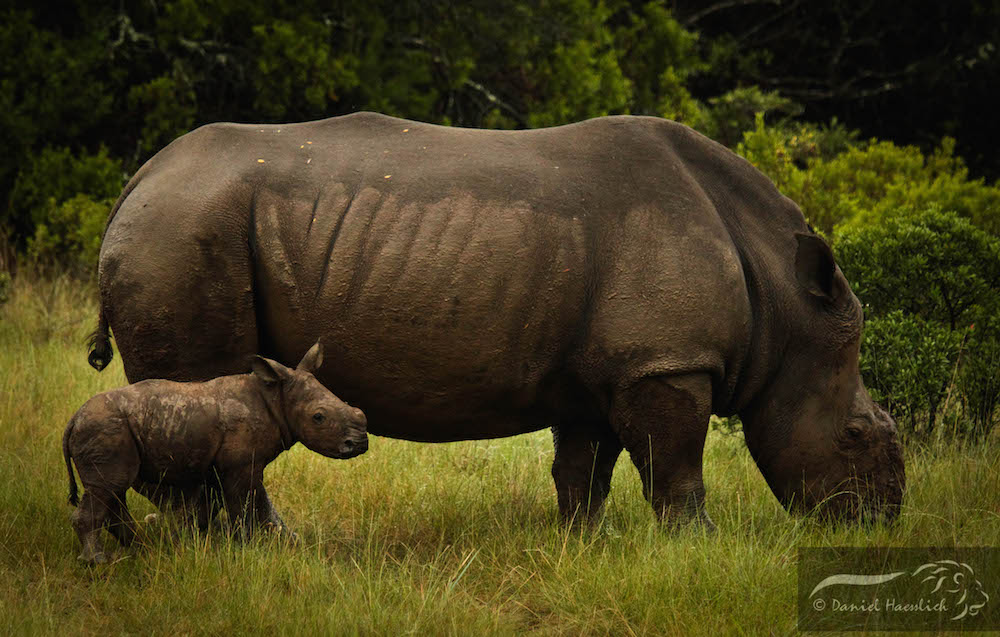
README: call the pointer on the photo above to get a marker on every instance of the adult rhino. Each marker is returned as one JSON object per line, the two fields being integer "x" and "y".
{"x": 618, "y": 279}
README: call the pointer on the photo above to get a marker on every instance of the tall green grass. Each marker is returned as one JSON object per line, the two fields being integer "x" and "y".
{"x": 410, "y": 538}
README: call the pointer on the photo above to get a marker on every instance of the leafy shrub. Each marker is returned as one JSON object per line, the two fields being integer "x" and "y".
{"x": 930, "y": 282}
{"x": 57, "y": 174}
{"x": 168, "y": 108}
{"x": 730, "y": 115}
{"x": 66, "y": 198}
{"x": 907, "y": 363}
{"x": 6, "y": 285}
{"x": 864, "y": 182}
{"x": 728, "y": 426}
{"x": 980, "y": 379}
{"x": 71, "y": 234}
{"x": 932, "y": 264}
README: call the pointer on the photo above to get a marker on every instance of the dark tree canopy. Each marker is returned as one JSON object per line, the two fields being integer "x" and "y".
{"x": 910, "y": 72}
{"x": 95, "y": 88}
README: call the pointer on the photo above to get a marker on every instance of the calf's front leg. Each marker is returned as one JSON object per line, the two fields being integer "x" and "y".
{"x": 197, "y": 504}
{"x": 121, "y": 525}
{"x": 247, "y": 503}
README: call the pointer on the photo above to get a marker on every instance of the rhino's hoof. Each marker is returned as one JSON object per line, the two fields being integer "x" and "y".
{"x": 708, "y": 526}
{"x": 96, "y": 558}
{"x": 283, "y": 532}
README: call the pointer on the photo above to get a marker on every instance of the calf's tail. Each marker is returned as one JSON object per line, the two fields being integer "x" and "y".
{"x": 99, "y": 344}
{"x": 74, "y": 499}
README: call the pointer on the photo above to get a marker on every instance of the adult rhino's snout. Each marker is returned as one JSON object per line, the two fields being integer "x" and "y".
{"x": 881, "y": 488}
{"x": 894, "y": 474}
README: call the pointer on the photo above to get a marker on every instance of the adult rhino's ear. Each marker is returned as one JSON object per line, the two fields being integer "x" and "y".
{"x": 267, "y": 370}
{"x": 312, "y": 360}
{"x": 815, "y": 268}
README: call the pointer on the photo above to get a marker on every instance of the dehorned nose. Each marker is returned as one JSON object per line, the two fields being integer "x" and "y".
{"x": 359, "y": 417}
{"x": 354, "y": 446}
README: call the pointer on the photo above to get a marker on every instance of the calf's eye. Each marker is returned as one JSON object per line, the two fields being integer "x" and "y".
{"x": 318, "y": 417}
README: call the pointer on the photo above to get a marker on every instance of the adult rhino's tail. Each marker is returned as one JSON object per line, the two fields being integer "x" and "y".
{"x": 74, "y": 498}
{"x": 99, "y": 344}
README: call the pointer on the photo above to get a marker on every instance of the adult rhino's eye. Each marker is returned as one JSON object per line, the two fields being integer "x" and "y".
{"x": 318, "y": 417}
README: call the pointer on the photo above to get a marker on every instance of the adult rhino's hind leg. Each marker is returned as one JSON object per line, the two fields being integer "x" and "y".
{"x": 183, "y": 306}
{"x": 585, "y": 457}
{"x": 662, "y": 422}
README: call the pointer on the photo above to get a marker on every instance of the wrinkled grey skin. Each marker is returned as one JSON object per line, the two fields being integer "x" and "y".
{"x": 618, "y": 279}
{"x": 196, "y": 446}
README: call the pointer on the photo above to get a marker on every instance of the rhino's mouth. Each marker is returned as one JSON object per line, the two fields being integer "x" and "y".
{"x": 352, "y": 446}
{"x": 865, "y": 500}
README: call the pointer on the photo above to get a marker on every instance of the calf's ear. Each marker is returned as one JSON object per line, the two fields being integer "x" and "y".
{"x": 267, "y": 370}
{"x": 312, "y": 360}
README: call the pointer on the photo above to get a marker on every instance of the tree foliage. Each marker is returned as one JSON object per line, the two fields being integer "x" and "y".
{"x": 912, "y": 72}
{"x": 131, "y": 77}
{"x": 930, "y": 282}
{"x": 837, "y": 181}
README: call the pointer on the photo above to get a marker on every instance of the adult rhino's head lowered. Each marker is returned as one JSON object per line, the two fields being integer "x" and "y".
{"x": 817, "y": 436}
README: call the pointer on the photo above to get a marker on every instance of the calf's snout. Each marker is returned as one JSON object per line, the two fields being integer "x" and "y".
{"x": 354, "y": 444}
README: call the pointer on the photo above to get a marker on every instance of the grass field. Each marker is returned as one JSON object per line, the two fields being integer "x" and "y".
{"x": 410, "y": 538}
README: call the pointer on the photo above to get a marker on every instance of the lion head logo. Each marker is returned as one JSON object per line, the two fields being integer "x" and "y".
{"x": 959, "y": 579}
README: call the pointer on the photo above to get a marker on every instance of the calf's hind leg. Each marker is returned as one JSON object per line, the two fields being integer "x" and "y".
{"x": 108, "y": 462}
{"x": 663, "y": 421}
{"x": 89, "y": 518}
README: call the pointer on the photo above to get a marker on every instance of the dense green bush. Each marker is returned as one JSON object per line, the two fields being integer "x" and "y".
{"x": 729, "y": 116}
{"x": 70, "y": 236}
{"x": 64, "y": 199}
{"x": 859, "y": 183}
{"x": 932, "y": 264}
{"x": 907, "y": 363}
{"x": 930, "y": 283}
{"x": 6, "y": 284}
{"x": 980, "y": 375}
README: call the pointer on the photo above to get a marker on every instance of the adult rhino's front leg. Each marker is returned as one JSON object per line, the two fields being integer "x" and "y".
{"x": 663, "y": 421}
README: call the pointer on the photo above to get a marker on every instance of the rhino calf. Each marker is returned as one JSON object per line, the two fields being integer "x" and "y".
{"x": 199, "y": 445}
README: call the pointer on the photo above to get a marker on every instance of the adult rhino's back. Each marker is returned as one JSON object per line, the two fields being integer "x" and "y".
{"x": 466, "y": 283}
